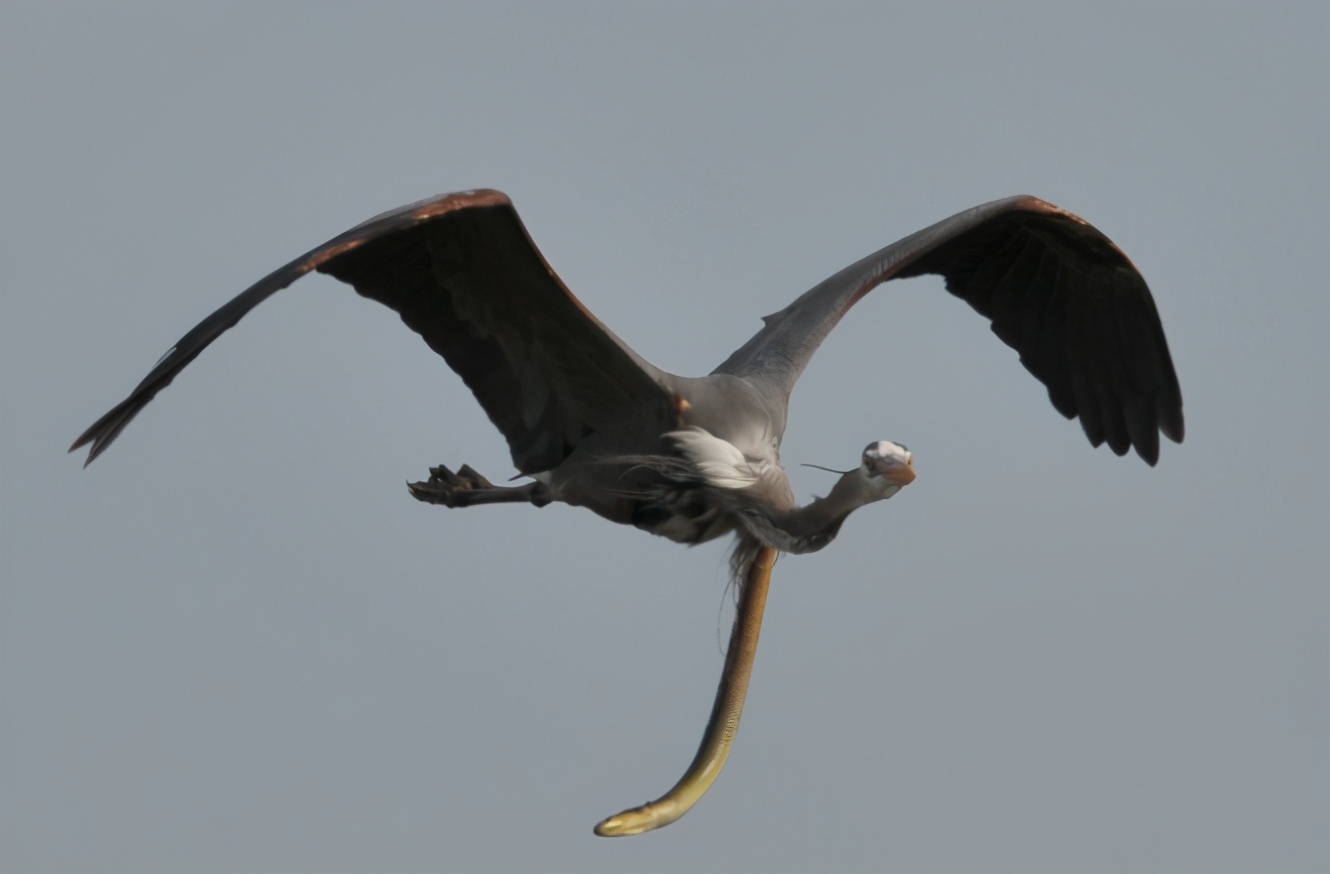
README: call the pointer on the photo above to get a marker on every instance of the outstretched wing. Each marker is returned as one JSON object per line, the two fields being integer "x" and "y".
{"x": 1056, "y": 290}
{"x": 462, "y": 272}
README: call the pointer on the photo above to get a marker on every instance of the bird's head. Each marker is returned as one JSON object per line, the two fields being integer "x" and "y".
{"x": 886, "y": 468}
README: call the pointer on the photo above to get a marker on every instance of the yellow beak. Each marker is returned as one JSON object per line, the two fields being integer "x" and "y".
{"x": 902, "y": 476}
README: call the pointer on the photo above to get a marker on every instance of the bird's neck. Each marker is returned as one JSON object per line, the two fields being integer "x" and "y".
{"x": 815, "y": 524}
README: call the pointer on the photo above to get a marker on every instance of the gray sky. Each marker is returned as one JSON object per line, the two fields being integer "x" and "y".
{"x": 236, "y": 644}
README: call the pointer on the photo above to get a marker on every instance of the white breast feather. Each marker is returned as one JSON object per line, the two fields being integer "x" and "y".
{"x": 718, "y": 462}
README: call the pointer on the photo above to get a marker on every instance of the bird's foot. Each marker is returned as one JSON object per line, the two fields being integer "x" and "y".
{"x": 451, "y": 489}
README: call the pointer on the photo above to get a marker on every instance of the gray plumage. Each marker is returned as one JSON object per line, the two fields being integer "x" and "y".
{"x": 593, "y": 424}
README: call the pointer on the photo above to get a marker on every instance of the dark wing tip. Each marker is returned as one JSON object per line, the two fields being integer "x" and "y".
{"x": 1080, "y": 314}
{"x": 1175, "y": 429}
{"x": 104, "y": 431}
{"x": 1118, "y": 333}
{"x": 84, "y": 439}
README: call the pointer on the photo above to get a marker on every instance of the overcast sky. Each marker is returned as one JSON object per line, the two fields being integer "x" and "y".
{"x": 236, "y": 644}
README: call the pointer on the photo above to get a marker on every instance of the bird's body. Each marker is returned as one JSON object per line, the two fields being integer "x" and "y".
{"x": 716, "y": 471}
{"x": 592, "y": 424}
{"x": 720, "y": 437}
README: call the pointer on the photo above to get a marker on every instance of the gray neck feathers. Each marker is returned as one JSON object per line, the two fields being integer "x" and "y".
{"x": 815, "y": 524}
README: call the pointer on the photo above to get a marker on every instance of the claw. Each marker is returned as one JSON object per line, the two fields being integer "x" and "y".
{"x": 442, "y": 488}
{"x": 467, "y": 488}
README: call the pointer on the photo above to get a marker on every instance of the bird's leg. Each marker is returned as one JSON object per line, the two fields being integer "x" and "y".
{"x": 467, "y": 488}
{"x": 724, "y": 722}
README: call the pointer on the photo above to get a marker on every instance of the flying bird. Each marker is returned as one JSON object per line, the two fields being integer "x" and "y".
{"x": 590, "y": 423}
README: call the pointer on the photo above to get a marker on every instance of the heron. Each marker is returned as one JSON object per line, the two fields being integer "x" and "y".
{"x": 591, "y": 423}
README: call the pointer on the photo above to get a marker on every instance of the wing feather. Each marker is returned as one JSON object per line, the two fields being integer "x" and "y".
{"x": 1054, "y": 288}
{"x": 462, "y": 272}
